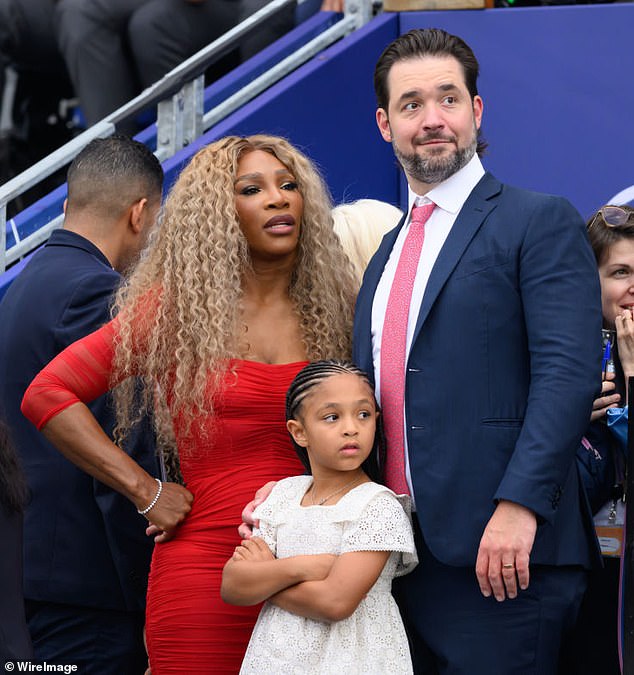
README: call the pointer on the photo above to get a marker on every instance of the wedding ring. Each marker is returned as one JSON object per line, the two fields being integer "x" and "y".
{"x": 508, "y": 566}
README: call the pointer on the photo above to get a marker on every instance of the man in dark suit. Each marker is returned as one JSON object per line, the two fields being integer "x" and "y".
{"x": 86, "y": 555}
{"x": 486, "y": 379}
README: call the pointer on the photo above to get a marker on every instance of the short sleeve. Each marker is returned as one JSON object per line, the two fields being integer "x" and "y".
{"x": 383, "y": 525}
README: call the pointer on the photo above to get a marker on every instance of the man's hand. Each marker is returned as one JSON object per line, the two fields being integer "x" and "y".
{"x": 173, "y": 505}
{"x": 504, "y": 552}
{"x": 248, "y": 523}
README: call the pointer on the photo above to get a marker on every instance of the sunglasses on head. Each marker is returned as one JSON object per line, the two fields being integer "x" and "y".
{"x": 613, "y": 216}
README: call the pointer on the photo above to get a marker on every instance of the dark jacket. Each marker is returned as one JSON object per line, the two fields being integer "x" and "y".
{"x": 83, "y": 543}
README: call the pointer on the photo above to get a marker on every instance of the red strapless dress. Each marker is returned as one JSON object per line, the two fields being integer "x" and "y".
{"x": 224, "y": 460}
{"x": 189, "y": 628}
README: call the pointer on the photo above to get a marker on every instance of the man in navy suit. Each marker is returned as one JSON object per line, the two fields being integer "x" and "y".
{"x": 86, "y": 555}
{"x": 501, "y": 363}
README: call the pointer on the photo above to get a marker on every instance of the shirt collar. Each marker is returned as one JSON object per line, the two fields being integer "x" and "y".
{"x": 452, "y": 193}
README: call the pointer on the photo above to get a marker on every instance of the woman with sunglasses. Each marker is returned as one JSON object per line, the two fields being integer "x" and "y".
{"x": 595, "y": 647}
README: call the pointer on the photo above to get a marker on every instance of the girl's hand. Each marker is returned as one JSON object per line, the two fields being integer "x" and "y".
{"x": 313, "y": 567}
{"x": 625, "y": 341}
{"x": 608, "y": 398}
{"x": 253, "y": 550}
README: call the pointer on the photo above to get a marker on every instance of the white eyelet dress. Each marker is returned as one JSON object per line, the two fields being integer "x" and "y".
{"x": 372, "y": 641}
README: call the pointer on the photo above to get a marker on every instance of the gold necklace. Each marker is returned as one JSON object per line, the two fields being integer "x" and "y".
{"x": 321, "y": 502}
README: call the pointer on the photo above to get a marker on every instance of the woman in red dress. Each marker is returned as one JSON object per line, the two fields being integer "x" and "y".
{"x": 242, "y": 283}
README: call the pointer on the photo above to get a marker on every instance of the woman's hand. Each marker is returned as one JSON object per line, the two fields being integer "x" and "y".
{"x": 608, "y": 399}
{"x": 625, "y": 341}
{"x": 169, "y": 511}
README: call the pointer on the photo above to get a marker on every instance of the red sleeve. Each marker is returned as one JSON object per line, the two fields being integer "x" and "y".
{"x": 80, "y": 373}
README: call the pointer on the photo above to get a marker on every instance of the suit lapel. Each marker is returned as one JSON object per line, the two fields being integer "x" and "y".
{"x": 479, "y": 204}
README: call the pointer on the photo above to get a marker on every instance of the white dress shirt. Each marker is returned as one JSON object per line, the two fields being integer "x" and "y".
{"x": 449, "y": 197}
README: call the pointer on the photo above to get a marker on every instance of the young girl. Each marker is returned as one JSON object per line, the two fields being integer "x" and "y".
{"x": 328, "y": 545}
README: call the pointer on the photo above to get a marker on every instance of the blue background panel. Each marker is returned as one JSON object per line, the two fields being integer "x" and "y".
{"x": 558, "y": 94}
{"x": 326, "y": 108}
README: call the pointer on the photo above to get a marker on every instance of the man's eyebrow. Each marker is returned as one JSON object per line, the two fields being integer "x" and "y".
{"x": 417, "y": 93}
{"x": 447, "y": 87}
{"x": 411, "y": 93}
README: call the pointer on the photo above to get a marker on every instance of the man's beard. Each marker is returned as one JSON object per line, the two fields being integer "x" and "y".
{"x": 433, "y": 170}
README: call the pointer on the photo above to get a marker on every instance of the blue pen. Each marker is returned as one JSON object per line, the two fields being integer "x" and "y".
{"x": 606, "y": 359}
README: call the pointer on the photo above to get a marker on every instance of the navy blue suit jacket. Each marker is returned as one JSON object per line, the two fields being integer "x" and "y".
{"x": 83, "y": 543}
{"x": 501, "y": 374}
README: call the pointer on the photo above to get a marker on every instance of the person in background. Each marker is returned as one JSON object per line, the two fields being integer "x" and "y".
{"x": 595, "y": 646}
{"x": 243, "y": 282}
{"x": 116, "y": 48}
{"x": 35, "y": 117}
{"x": 86, "y": 555}
{"x": 360, "y": 226}
{"x": 15, "y": 643}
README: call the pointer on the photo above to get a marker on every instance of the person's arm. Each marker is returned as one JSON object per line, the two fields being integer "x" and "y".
{"x": 564, "y": 348}
{"x": 360, "y": 563}
{"x": 338, "y": 595}
{"x": 55, "y": 403}
{"x": 253, "y": 574}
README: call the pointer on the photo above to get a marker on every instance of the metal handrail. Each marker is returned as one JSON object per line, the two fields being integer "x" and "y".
{"x": 195, "y": 65}
{"x": 283, "y": 68}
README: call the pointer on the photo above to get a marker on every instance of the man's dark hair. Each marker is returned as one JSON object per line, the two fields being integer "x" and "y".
{"x": 112, "y": 173}
{"x": 422, "y": 42}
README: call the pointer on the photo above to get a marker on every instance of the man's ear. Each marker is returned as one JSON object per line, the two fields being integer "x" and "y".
{"x": 478, "y": 108}
{"x": 138, "y": 214}
{"x": 383, "y": 123}
{"x": 296, "y": 430}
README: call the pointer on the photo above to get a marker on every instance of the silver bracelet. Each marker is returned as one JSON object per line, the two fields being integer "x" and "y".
{"x": 156, "y": 498}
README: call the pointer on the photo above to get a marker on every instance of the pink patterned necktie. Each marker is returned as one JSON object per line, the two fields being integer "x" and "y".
{"x": 393, "y": 344}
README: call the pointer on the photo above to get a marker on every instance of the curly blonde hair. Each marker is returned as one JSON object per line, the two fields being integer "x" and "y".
{"x": 180, "y": 313}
